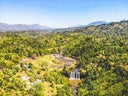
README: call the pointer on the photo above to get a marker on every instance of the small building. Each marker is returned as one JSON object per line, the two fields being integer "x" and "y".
{"x": 55, "y": 55}
{"x": 38, "y": 81}
{"x": 25, "y": 78}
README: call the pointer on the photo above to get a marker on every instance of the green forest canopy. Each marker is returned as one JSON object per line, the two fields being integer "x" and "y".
{"x": 101, "y": 50}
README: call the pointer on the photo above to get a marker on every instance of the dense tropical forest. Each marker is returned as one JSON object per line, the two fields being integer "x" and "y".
{"x": 100, "y": 51}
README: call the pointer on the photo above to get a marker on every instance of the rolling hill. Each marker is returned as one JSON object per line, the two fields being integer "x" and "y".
{"x": 22, "y": 27}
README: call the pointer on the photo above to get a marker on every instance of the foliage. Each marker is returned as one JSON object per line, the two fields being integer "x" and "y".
{"x": 101, "y": 51}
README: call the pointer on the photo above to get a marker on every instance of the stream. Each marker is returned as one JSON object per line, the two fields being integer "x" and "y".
{"x": 75, "y": 79}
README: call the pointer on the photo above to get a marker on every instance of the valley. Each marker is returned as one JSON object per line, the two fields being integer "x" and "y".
{"x": 44, "y": 65}
{"x": 87, "y": 61}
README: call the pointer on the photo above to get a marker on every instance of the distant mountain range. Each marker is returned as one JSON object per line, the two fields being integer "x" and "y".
{"x": 91, "y": 24}
{"x": 21, "y": 27}
{"x": 98, "y": 23}
{"x": 35, "y": 27}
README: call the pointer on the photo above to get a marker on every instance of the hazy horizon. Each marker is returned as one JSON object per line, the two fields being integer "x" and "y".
{"x": 64, "y": 13}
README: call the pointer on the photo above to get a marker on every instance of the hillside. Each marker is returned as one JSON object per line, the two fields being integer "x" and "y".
{"x": 30, "y": 64}
{"x": 97, "y": 23}
{"x": 46, "y": 67}
{"x": 36, "y": 27}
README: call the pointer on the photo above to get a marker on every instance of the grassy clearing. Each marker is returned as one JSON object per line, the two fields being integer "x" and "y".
{"x": 51, "y": 63}
{"x": 46, "y": 64}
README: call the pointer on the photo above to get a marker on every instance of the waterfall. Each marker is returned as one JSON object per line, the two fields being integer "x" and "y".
{"x": 78, "y": 75}
{"x": 72, "y": 76}
{"x": 75, "y": 75}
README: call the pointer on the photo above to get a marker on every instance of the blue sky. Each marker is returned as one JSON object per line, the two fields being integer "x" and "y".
{"x": 62, "y": 13}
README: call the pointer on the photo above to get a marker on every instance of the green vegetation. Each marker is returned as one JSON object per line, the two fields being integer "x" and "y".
{"x": 101, "y": 51}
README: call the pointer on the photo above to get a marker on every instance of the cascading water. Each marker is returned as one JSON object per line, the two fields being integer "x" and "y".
{"x": 75, "y": 79}
{"x": 75, "y": 75}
